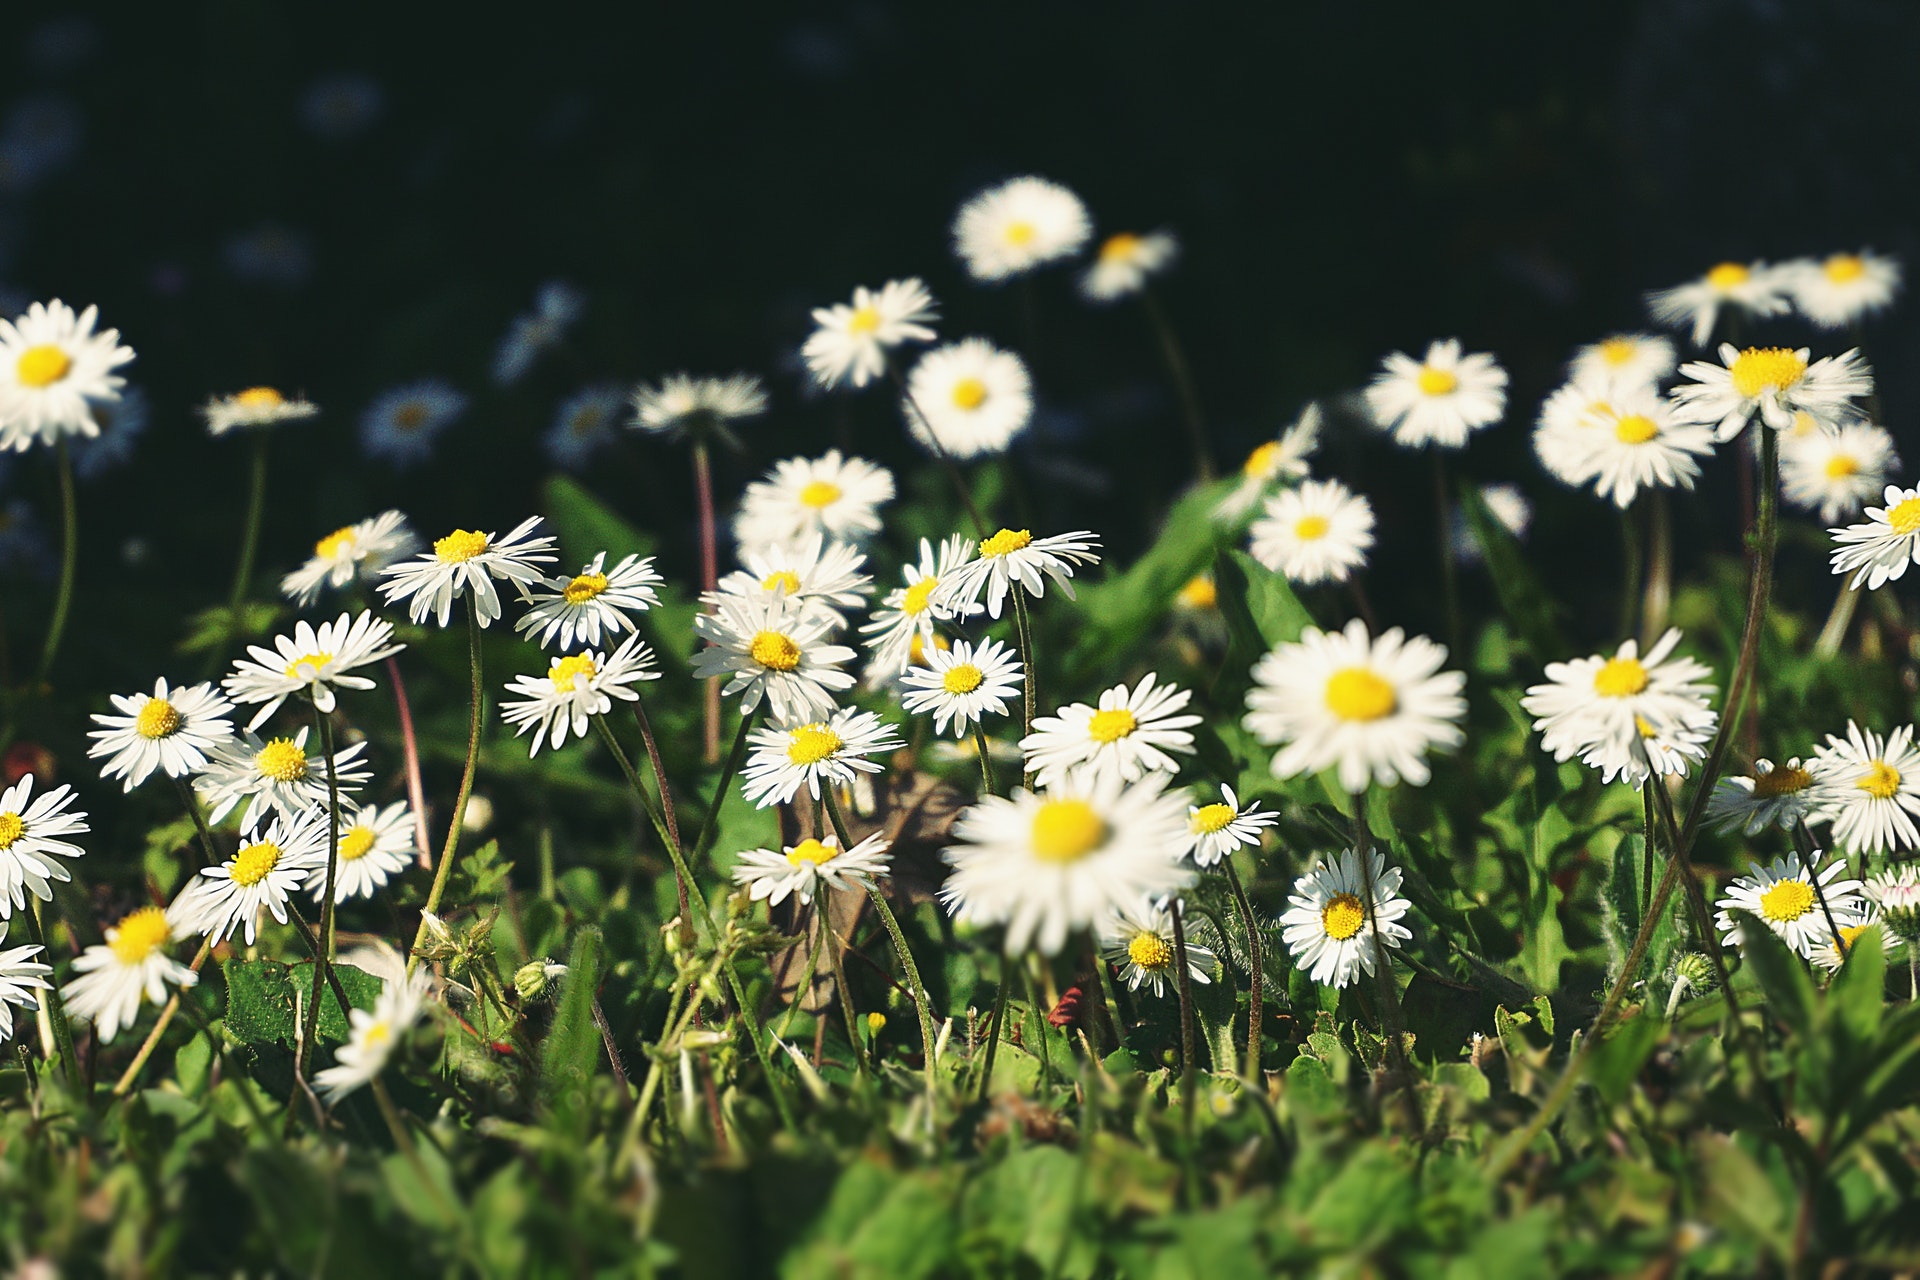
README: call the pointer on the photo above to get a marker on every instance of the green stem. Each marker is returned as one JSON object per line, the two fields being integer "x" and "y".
{"x": 323, "y": 948}
{"x": 1838, "y": 620}
{"x": 839, "y": 964}
{"x": 1177, "y": 368}
{"x": 1449, "y": 583}
{"x": 995, "y": 1023}
{"x": 1030, "y": 685}
{"x": 980, "y": 744}
{"x": 1183, "y": 982}
{"x": 452, "y": 845}
{"x": 69, "y": 560}
{"x": 1256, "y": 963}
{"x": 57, "y": 1007}
{"x": 939, "y": 451}
{"x": 1390, "y": 1018}
{"x": 805, "y": 988}
{"x": 1653, "y": 613}
{"x": 710, "y": 830}
{"x": 709, "y": 581}
{"x": 250, "y": 536}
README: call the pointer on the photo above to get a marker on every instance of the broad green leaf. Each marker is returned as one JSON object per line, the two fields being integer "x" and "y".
{"x": 571, "y": 1054}
{"x": 263, "y": 996}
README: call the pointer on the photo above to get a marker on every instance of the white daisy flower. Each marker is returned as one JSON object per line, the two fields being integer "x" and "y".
{"x": 131, "y": 965}
{"x": 1216, "y": 830}
{"x": 1325, "y": 923}
{"x": 372, "y": 1037}
{"x": 1510, "y": 510}
{"x": 1318, "y": 531}
{"x": 1370, "y": 707}
{"x": 357, "y": 551}
{"x": 403, "y": 423}
{"x": 31, "y": 842}
{"x": 1626, "y": 361}
{"x": 171, "y": 730}
{"x": 53, "y": 366}
{"x": 824, "y": 577}
{"x": 683, "y": 403}
{"x": 254, "y": 407}
{"x": 835, "y": 748}
{"x": 1844, "y": 288}
{"x": 1126, "y": 262}
{"x": 313, "y": 660}
{"x": 809, "y": 868}
{"x": 850, "y": 342}
{"x": 969, "y": 398}
{"x": 1014, "y": 555}
{"x": 1636, "y": 443}
{"x": 1869, "y": 789}
{"x": 907, "y": 614}
{"x": 574, "y": 690}
{"x": 595, "y": 601}
{"x": 585, "y": 423}
{"x": 1830, "y": 952}
{"x": 374, "y": 846}
{"x": 962, "y": 684}
{"x": 1010, "y": 229}
{"x": 1052, "y": 863}
{"x": 1566, "y": 419}
{"x": 1775, "y": 382}
{"x": 1752, "y": 289}
{"x": 555, "y": 307}
{"x": 1631, "y": 713}
{"x": 1836, "y": 473}
{"x": 1439, "y": 400}
{"x": 20, "y": 977}
{"x": 466, "y": 561}
{"x": 1782, "y": 895}
{"x": 773, "y": 649}
{"x": 838, "y": 498}
{"x": 1281, "y": 461}
{"x": 1894, "y": 895}
{"x": 274, "y": 775}
{"x": 1138, "y": 940}
{"x": 1879, "y": 549}
{"x": 267, "y": 869}
{"x": 1129, "y": 734}
{"x": 1776, "y": 795}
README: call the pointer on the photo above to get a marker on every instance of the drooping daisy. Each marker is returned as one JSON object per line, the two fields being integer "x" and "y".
{"x": 1371, "y": 707}
{"x": 1129, "y": 734}
{"x": 1016, "y": 556}
{"x": 1844, "y": 288}
{"x": 960, "y": 685}
{"x": 1566, "y": 418}
{"x": 968, "y": 398}
{"x": 276, "y": 774}
{"x": 1279, "y": 461}
{"x": 1836, "y": 473}
{"x": 53, "y": 366}
{"x": 374, "y": 845}
{"x": 32, "y": 840}
{"x": 585, "y": 423}
{"x": 467, "y": 562}
{"x": 131, "y": 965}
{"x": 403, "y": 423}
{"x": 774, "y": 650}
{"x": 1625, "y": 361}
{"x": 313, "y": 660}
{"x": 1439, "y": 400}
{"x": 809, "y": 868}
{"x": 1752, "y": 289}
{"x": 372, "y": 1037}
{"x": 1878, "y": 549}
{"x": 1138, "y": 940}
{"x": 1325, "y": 924}
{"x": 1216, "y": 830}
{"x": 850, "y": 342}
{"x": 20, "y": 976}
{"x": 1782, "y": 895}
{"x": 575, "y": 689}
{"x": 1830, "y": 952}
{"x": 1636, "y": 443}
{"x": 594, "y": 601}
{"x": 1776, "y": 795}
{"x": 1775, "y": 382}
{"x": 838, "y": 498}
{"x": 254, "y": 407}
{"x": 908, "y": 613}
{"x": 1869, "y": 789}
{"x": 357, "y": 551}
{"x": 1318, "y": 531}
{"x": 1051, "y": 863}
{"x": 835, "y": 749}
{"x": 683, "y": 404}
{"x": 555, "y": 307}
{"x": 1010, "y": 229}
{"x": 269, "y": 867}
{"x": 1608, "y": 708}
{"x": 1126, "y": 262}
{"x": 171, "y": 730}
{"x": 824, "y": 577}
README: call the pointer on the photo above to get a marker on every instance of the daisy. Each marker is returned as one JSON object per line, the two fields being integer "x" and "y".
{"x": 1325, "y": 924}
{"x": 1216, "y": 830}
{"x": 1129, "y": 734}
{"x": 850, "y": 342}
{"x": 1627, "y": 361}
{"x": 968, "y": 398}
{"x": 1051, "y": 863}
{"x": 808, "y": 868}
{"x": 122, "y": 422}
{"x": 20, "y": 977}
{"x": 374, "y": 845}
{"x": 403, "y": 423}
{"x": 1125, "y": 262}
{"x": 584, "y": 424}
{"x": 1509, "y": 509}
{"x": 1280, "y": 461}
{"x": 835, "y": 497}
{"x": 1014, "y": 555}
{"x": 274, "y": 775}
{"x": 1138, "y": 940}
{"x": 1010, "y": 229}
{"x": 463, "y": 562}
{"x": 1753, "y": 290}
{"x": 1371, "y": 707}
{"x": 354, "y": 552}
{"x": 555, "y": 308}
{"x": 254, "y": 407}
{"x": 1439, "y": 400}
{"x": 593, "y": 601}
{"x": 824, "y": 577}
{"x": 908, "y": 613}
{"x": 1560, "y": 436}
{"x": 1777, "y": 795}
{"x": 962, "y": 684}
{"x": 774, "y": 650}
{"x": 683, "y": 403}
{"x": 31, "y": 842}
{"x": 1628, "y": 714}
{"x": 53, "y": 366}
{"x": 1317, "y": 532}
{"x": 574, "y": 690}
{"x": 1783, "y": 896}
{"x": 372, "y": 1037}
{"x": 1843, "y": 289}
{"x": 834, "y": 748}
{"x": 267, "y": 869}
{"x": 1774, "y": 382}
{"x": 1830, "y": 952}
{"x": 1895, "y": 898}
{"x": 1869, "y": 789}
{"x": 1836, "y": 473}
{"x": 313, "y": 660}
{"x": 1635, "y": 443}
{"x": 171, "y": 730}
{"x": 130, "y": 965}
{"x": 1878, "y": 550}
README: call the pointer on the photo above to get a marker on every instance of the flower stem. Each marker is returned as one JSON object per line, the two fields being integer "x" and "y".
{"x": 1383, "y": 966}
{"x": 69, "y": 560}
{"x": 984, "y": 748}
{"x": 1182, "y": 375}
{"x": 57, "y": 1008}
{"x": 323, "y": 947}
{"x": 1838, "y": 620}
{"x": 1030, "y": 686}
{"x": 1449, "y": 584}
{"x": 410, "y": 749}
{"x": 1256, "y": 964}
{"x": 160, "y": 1025}
{"x": 709, "y": 581}
{"x": 939, "y": 451}
{"x": 1183, "y": 983}
{"x": 250, "y": 534}
{"x": 452, "y": 845}
{"x": 710, "y": 831}
{"x": 1659, "y": 598}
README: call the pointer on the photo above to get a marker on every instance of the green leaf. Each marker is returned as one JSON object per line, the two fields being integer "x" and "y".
{"x": 264, "y": 995}
{"x": 572, "y": 1052}
{"x": 1259, "y": 601}
{"x": 1521, "y": 596}
{"x": 1616, "y": 1061}
{"x": 1789, "y": 989}
{"x": 1858, "y": 992}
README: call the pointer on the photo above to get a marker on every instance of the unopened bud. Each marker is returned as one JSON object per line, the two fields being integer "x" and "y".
{"x": 1694, "y": 969}
{"x": 530, "y": 980}
{"x": 876, "y": 1022}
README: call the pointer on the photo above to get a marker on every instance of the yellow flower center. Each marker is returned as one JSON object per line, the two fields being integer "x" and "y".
{"x": 1904, "y": 518}
{"x": 1845, "y": 268}
{"x": 1882, "y": 781}
{"x": 1020, "y": 233}
{"x": 1728, "y": 275}
{"x": 356, "y": 843}
{"x": 1005, "y": 542}
{"x": 377, "y": 1034}
{"x": 1355, "y": 693}
{"x": 1437, "y": 382}
{"x": 812, "y": 743}
{"x": 283, "y": 760}
{"x": 459, "y": 546}
{"x": 1150, "y": 951}
{"x": 811, "y": 851}
{"x": 140, "y": 935}
{"x": 1850, "y": 934}
{"x": 1119, "y": 248}
{"x": 12, "y": 827}
{"x": 1111, "y": 726}
{"x": 1758, "y": 368}
{"x": 774, "y": 651}
{"x": 1200, "y": 593}
{"x": 864, "y": 320}
{"x": 307, "y": 666}
{"x": 42, "y": 366}
{"x": 1784, "y": 780}
{"x": 962, "y": 677}
{"x": 334, "y": 543}
{"x": 158, "y": 719}
{"x": 1635, "y": 429}
{"x": 1342, "y": 916}
{"x": 1066, "y": 831}
{"x": 1211, "y": 819}
{"x": 410, "y": 417}
{"x": 1260, "y": 461}
{"x": 1620, "y": 678}
{"x": 1618, "y": 351}
{"x": 583, "y": 587}
{"x": 260, "y": 398}
{"x": 1786, "y": 900}
{"x": 819, "y": 494}
{"x": 785, "y": 578}
{"x": 917, "y": 648}
{"x": 918, "y": 595}
{"x": 1840, "y": 466}
{"x": 969, "y": 393}
{"x": 570, "y": 673}
{"x": 254, "y": 863}
{"x": 1311, "y": 528}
